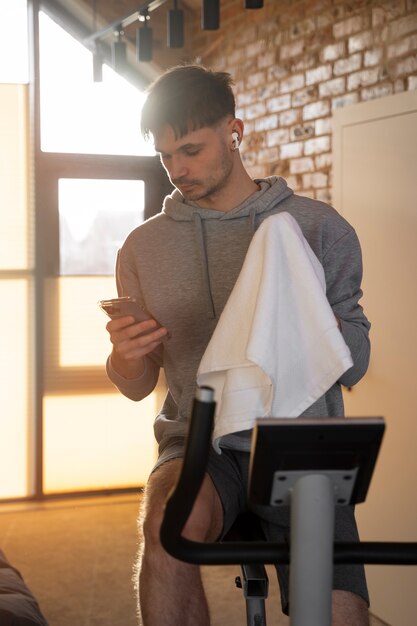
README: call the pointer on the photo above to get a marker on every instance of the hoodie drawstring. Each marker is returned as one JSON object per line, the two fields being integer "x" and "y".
{"x": 198, "y": 224}
{"x": 201, "y": 242}
{"x": 251, "y": 221}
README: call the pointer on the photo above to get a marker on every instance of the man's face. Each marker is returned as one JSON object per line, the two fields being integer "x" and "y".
{"x": 199, "y": 163}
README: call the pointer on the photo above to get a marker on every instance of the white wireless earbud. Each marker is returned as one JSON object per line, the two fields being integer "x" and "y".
{"x": 235, "y": 140}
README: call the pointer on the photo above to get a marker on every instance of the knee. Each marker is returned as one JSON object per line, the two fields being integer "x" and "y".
{"x": 197, "y": 527}
{"x": 349, "y": 609}
{"x": 205, "y": 521}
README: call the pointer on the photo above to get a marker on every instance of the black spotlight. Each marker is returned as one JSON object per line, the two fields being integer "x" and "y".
{"x": 254, "y": 4}
{"x": 118, "y": 51}
{"x": 144, "y": 42}
{"x": 175, "y": 27}
{"x": 210, "y": 15}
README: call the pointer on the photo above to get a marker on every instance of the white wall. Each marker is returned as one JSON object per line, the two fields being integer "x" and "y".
{"x": 375, "y": 168}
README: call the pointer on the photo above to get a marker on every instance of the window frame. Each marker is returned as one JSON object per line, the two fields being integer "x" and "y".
{"x": 53, "y": 167}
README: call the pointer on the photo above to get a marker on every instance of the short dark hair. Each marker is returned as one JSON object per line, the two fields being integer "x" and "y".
{"x": 187, "y": 97}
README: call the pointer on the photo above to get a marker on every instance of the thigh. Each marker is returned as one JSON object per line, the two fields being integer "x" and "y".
{"x": 206, "y": 518}
{"x": 159, "y": 485}
{"x": 228, "y": 472}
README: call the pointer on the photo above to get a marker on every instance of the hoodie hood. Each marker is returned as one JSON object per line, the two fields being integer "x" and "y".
{"x": 272, "y": 191}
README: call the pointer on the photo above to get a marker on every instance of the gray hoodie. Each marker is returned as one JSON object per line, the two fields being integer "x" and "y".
{"x": 182, "y": 265}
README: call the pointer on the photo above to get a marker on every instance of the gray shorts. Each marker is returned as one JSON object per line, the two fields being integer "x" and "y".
{"x": 229, "y": 472}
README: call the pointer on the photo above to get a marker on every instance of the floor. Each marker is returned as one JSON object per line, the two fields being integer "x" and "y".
{"x": 77, "y": 556}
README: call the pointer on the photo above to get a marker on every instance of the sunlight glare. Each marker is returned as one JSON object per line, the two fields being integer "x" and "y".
{"x": 78, "y": 115}
{"x": 97, "y": 441}
{"x": 14, "y": 65}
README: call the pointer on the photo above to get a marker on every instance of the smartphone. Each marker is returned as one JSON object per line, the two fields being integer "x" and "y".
{"x": 126, "y": 305}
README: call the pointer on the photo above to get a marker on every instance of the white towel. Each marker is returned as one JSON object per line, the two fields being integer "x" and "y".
{"x": 276, "y": 348}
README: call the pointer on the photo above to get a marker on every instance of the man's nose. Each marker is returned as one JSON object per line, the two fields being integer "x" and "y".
{"x": 178, "y": 168}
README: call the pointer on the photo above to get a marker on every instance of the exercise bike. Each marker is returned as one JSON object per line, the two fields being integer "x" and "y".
{"x": 309, "y": 464}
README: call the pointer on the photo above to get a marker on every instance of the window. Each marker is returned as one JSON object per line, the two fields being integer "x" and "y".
{"x": 96, "y": 180}
{"x": 78, "y": 115}
{"x": 16, "y": 255}
{"x": 95, "y": 217}
{"x": 85, "y": 418}
{"x": 15, "y": 374}
{"x": 14, "y": 67}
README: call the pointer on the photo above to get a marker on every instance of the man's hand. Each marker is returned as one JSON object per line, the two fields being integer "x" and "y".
{"x": 131, "y": 342}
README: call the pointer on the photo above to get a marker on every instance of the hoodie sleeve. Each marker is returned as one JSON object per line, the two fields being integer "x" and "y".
{"x": 135, "y": 389}
{"x": 343, "y": 269}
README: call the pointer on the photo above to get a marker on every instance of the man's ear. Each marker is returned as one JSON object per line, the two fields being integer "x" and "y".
{"x": 235, "y": 140}
{"x": 236, "y": 133}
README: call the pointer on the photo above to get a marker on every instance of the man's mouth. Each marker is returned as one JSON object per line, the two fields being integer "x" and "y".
{"x": 183, "y": 184}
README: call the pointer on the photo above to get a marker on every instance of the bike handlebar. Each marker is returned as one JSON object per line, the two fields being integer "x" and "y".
{"x": 180, "y": 503}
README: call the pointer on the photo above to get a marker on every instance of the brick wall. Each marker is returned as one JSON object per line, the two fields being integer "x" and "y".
{"x": 294, "y": 62}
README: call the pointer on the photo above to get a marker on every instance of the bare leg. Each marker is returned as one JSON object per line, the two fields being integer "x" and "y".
{"x": 349, "y": 609}
{"x": 170, "y": 591}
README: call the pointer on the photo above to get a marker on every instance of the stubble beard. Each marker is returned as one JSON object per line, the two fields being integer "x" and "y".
{"x": 213, "y": 186}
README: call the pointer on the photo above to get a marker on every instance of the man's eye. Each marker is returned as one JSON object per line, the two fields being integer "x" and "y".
{"x": 191, "y": 152}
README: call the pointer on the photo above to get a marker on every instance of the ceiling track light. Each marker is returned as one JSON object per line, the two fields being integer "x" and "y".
{"x": 210, "y": 20}
{"x": 144, "y": 39}
{"x": 118, "y": 51}
{"x": 175, "y": 27}
{"x": 254, "y": 4}
{"x": 97, "y": 51}
{"x": 210, "y": 14}
{"x": 98, "y": 58}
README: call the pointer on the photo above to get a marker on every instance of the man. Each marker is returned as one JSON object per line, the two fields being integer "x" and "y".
{"x": 182, "y": 265}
